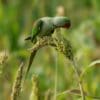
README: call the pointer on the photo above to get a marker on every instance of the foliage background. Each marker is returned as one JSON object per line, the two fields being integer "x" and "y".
{"x": 16, "y": 21}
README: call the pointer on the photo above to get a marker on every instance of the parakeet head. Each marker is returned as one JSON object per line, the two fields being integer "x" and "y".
{"x": 61, "y": 22}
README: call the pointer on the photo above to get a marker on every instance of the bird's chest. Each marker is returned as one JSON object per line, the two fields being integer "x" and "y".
{"x": 47, "y": 29}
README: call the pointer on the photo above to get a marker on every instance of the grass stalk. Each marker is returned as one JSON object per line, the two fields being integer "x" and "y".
{"x": 17, "y": 86}
{"x": 78, "y": 77}
{"x": 35, "y": 89}
{"x": 56, "y": 77}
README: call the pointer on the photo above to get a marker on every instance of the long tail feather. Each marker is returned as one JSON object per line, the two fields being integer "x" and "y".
{"x": 28, "y": 38}
{"x": 30, "y": 62}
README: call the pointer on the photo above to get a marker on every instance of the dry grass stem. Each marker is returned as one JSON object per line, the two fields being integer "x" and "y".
{"x": 79, "y": 80}
{"x": 3, "y": 57}
{"x": 35, "y": 89}
{"x": 48, "y": 95}
{"x": 17, "y": 86}
{"x": 62, "y": 45}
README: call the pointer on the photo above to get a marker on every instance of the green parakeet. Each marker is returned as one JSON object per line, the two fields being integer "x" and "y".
{"x": 45, "y": 26}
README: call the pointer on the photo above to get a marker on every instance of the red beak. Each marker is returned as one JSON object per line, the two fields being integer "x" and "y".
{"x": 67, "y": 25}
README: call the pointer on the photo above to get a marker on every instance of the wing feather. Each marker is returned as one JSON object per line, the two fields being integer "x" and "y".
{"x": 36, "y": 29}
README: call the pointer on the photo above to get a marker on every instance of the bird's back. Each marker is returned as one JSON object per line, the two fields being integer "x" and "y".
{"x": 47, "y": 26}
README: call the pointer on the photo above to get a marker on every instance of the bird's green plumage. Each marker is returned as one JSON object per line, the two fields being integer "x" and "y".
{"x": 36, "y": 29}
{"x": 45, "y": 27}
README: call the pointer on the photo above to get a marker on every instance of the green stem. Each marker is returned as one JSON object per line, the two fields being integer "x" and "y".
{"x": 56, "y": 77}
{"x": 78, "y": 77}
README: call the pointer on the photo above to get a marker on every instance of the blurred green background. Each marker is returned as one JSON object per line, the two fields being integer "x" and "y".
{"x": 16, "y": 21}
